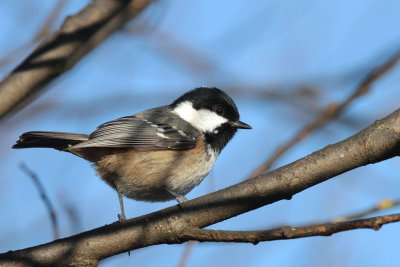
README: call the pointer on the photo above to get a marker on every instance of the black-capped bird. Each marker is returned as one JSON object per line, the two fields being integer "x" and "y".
{"x": 158, "y": 154}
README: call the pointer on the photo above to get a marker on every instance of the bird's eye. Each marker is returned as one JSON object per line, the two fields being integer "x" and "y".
{"x": 220, "y": 111}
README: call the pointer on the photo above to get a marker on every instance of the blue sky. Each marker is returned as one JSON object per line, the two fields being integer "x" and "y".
{"x": 249, "y": 49}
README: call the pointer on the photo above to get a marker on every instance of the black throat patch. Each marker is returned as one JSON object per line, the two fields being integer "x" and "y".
{"x": 219, "y": 139}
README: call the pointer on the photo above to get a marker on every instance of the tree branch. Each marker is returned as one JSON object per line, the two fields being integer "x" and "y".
{"x": 378, "y": 142}
{"x": 78, "y": 35}
{"x": 330, "y": 112}
{"x": 285, "y": 232}
{"x": 44, "y": 197}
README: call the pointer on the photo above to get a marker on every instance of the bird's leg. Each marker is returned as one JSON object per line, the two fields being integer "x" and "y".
{"x": 121, "y": 216}
{"x": 180, "y": 198}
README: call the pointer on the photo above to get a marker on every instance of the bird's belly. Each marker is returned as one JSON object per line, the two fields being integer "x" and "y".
{"x": 146, "y": 176}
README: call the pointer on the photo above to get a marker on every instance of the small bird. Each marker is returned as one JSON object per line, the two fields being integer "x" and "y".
{"x": 158, "y": 154}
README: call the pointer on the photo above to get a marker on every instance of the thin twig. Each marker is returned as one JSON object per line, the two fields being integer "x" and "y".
{"x": 49, "y": 22}
{"x": 72, "y": 212}
{"x": 46, "y": 27}
{"x": 286, "y": 232}
{"x": 330, "y": 112}
{"x": 185, "y": 256}
{"x": 44, "y": 197}
{"x": 384, "y": 204}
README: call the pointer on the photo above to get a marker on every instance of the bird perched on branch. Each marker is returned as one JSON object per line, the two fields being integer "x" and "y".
{"x": 158, "y": 154}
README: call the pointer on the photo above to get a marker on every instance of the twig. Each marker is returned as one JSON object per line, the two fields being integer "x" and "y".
{"x": 72, "y": 212}
{"x": 44, "y": 197}
{"x": 384, "y": 204}
{"x": 286, "y": 232}
{"x": 330, "y": 112}
{"x": 43, "y": 31}
{"x": 50, "y": 20}
{"x": 182, "y": 54}
{"x": 58, "y": 53}
{"x": 185, "y": 256}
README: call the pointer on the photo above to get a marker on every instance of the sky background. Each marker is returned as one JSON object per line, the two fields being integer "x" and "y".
{"x": 281, "y": 61}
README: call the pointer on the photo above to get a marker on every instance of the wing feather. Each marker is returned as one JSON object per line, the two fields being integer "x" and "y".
{"x": 139, "y": 133}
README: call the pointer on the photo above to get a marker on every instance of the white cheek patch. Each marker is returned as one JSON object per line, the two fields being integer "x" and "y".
{"x": 205, "y": 120}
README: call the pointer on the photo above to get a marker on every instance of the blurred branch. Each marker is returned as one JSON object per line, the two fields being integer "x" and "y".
{"x": 182, "y": 53}
{"x": 44, "y": 197}
{"x": 72, "y": 212}
{"x": 306, "y": 99}
{"x": 47, "y": 26}
{"x": 192, "y": 59}
{"x": 384, "y": 204}
{"x": 185, "y": 256}
{"x": 286, "y": 232}
{"x": 42, "y": 32}
{"x": 330, "y": 112}
{"x": 376, "y": 143}
{"x": 78, "y": 35}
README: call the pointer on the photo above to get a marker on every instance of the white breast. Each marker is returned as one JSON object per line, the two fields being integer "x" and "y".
{"x": 183, "y": 184}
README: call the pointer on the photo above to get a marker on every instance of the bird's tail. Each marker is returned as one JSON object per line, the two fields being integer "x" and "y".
{"x": 56, "y": 140}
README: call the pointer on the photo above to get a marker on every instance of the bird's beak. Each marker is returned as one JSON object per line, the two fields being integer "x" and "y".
{"x": 240, "y": 125}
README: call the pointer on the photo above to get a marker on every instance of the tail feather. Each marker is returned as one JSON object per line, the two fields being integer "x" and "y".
{"x": 55, "y": 140}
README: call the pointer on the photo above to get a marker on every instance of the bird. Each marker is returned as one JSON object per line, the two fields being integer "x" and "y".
{"x": 159, "y": 154}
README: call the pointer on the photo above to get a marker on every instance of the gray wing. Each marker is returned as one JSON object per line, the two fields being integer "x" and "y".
{"x": 141, "y": 132}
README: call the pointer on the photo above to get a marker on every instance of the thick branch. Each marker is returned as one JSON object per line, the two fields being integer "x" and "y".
{"x": 285, "y": 232}
{"x": 378, "y": 142}
{"x": 78, "y": 35}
